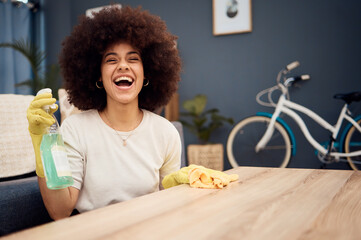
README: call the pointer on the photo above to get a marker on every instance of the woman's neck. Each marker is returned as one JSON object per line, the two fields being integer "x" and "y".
{"x": 122, "y": 118}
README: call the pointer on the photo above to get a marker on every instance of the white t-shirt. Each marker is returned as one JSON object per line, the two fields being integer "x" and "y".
{"x": 107, "y": 172}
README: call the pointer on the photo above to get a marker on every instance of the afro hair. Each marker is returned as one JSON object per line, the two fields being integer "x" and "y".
{"x": 82, "y": 52}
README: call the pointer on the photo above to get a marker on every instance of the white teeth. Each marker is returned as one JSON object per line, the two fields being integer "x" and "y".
{"x": 124, "y": 79}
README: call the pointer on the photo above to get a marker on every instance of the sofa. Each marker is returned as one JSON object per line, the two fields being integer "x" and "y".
{"x": 21, "y": 205}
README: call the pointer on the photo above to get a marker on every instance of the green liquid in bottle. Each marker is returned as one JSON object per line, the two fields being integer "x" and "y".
{"x": 55, "y": 162}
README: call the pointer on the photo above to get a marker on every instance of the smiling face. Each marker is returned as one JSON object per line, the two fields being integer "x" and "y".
{"x": 122, "y": 74}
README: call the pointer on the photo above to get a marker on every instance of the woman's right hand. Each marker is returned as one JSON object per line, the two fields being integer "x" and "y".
{"x": 39, "y": 120}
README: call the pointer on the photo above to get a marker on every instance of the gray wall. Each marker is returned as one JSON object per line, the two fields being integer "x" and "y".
{"x": 324, "y": 36}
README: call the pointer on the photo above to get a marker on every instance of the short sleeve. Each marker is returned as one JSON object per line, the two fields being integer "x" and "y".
{"x": 173, "y": 154}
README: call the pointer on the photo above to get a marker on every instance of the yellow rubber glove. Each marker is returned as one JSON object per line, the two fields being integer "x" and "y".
{"x": 39, "y": 120}
{"x": 198, "y": 177}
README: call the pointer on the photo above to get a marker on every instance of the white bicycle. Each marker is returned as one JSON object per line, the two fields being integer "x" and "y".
{"x": 267, "y": 140}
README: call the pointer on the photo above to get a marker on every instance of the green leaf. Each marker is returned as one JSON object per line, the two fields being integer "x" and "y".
{"x": 204, "y": 135}
{"x": 35, "y": 57}
{"x": 199, "y": 121}
{"x": 191, "y": 127}
{"x": 30, "y": 51}
{"x": 196, "y": 105}
{"x": 203, "y": 122}
{"x": 188, "y": 114}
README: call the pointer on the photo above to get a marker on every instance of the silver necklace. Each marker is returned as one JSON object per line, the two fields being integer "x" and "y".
{"x": 123, "y": 139}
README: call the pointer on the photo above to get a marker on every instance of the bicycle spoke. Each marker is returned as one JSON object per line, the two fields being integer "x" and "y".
{"x": 352, "y": 143}
{"x": 355, "y": 144}
{"x": 274, "y": 147}
{"x": 245, "y": 137}
{"x": 345, "y": 160}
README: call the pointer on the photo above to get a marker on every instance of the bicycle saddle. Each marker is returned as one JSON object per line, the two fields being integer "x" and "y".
{"x": 349, "y": 97}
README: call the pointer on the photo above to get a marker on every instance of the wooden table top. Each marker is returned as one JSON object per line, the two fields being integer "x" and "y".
{"x": 266, "y": 203}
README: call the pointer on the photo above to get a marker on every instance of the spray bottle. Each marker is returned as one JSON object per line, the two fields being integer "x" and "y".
{"x": 53, "y": 154}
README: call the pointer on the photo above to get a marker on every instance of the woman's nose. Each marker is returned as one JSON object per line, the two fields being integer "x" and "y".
{"x": 123, "y": 66}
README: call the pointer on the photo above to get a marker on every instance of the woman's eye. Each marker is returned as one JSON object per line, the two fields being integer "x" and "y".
{"x": 134, "y": 57}
{"x": 110, "y": 60}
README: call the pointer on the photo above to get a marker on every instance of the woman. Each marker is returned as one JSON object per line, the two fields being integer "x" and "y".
{"x": 118, "y": 67}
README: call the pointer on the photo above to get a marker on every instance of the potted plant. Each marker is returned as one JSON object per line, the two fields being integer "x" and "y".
{"x": 203, "y": 123}
{"x": 41, "y": 79}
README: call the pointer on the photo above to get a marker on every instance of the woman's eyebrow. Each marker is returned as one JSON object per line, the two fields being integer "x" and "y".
{"x": 115, "y": 54}
{"x": 109, "y": 53}
{"x": 133, "y": 52}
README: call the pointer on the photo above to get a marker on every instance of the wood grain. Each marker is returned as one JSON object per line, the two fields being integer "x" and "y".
{"x": 265, "y": 203}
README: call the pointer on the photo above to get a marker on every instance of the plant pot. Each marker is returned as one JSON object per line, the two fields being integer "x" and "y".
{"x": 208, "y": 155}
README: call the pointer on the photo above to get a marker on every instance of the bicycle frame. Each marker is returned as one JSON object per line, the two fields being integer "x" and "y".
{"x": 284, "y": 105}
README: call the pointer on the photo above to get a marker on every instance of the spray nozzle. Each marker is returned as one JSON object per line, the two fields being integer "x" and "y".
{"x": 46, "y": 107}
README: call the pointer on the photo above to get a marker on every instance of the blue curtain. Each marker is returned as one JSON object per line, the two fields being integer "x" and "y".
{"x": 15, "y": 24}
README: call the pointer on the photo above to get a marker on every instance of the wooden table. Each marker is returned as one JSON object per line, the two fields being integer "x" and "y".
{"x": 266, "y": 203}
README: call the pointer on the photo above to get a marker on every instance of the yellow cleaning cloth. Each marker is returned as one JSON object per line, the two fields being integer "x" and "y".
{"x": 198, "y": 177}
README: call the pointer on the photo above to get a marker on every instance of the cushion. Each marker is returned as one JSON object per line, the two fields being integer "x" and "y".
{"x": 16, "y": 149}
{"x": 21, "y": 205}
{"x": 66, "y": 109}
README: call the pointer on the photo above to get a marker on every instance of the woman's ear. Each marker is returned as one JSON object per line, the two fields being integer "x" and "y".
{"x": 99, "y": 84}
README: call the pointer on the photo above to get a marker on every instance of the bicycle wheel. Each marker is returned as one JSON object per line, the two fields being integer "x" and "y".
{"x": 353, "y": 143}
{"x": 246, "y": 134}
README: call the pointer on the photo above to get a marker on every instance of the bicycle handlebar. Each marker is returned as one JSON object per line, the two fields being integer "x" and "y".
{"x": 286, "y": 70}
{"x": 282, "y": 86}
{"x": 292, "y": 65}
{"x": 291, "y": 80}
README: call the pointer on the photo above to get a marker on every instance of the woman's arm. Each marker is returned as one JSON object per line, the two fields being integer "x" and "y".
{"x": 172, "y": 162}
{"x": 59, "y": 203}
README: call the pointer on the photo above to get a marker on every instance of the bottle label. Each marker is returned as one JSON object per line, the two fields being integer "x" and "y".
{"x": 61, "y": 163}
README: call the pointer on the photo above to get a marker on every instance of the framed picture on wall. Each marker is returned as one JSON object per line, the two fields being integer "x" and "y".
{"x": 231, "y": 16}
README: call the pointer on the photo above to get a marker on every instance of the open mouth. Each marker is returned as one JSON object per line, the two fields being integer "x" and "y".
{"x": 124, "y": 81}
